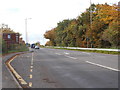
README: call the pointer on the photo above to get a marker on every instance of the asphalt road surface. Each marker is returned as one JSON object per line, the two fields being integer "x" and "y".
{"x": 55, "y": 68}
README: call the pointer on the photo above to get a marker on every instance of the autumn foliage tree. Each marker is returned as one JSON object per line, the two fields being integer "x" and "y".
{"x": 80, "y": 32}
{"x": 51, "y": 36}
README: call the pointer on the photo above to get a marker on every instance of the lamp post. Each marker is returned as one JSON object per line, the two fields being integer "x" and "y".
{"x": 26, "y": 29}
{"x": 90, "y": 14}
{"x": 91, "y": 19}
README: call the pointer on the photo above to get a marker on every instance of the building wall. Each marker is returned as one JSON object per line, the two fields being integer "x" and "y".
{"x": 11, "y": 38}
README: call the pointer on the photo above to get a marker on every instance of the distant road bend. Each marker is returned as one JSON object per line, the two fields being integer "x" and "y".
{"x": 55, "y": 68}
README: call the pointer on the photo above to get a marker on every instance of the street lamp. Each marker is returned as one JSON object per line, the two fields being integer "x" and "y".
{"x": 91, "y": 19}
{"x": 90, "y": 13}
{"x": 26, "y": 29}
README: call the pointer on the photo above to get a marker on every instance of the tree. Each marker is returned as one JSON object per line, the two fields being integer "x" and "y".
{"x": 50, "y": 35}
{"x": 61, "y": 33}
{"x": 4, "y": 47}
{"x": 38, "y": 43}
{"x": 112, "y": 34}
{"x": 107, "y": 13}
{"x": 80, "y": 32}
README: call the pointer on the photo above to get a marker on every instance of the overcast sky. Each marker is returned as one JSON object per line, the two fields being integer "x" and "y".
{"x": 45, "y": 14}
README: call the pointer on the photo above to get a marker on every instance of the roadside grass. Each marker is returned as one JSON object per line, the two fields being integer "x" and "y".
{"x": 20, "y": 49}
{"x": 94, "y": 51}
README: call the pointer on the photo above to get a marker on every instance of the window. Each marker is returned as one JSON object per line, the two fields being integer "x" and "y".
{"x": 17, "y": 38}
{"x": 9, "y": 36}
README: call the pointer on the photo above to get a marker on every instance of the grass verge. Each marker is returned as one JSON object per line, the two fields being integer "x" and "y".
{"x": 21, "y": 49}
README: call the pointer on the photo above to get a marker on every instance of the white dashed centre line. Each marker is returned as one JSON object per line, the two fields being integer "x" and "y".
{"x": 32, "y": 60}
{"x": 31, "y": 70}
{"x": 113, "y": 69}
{"x": 66, "y": 53}
{"x": 71, "y": 57}
{"x": 31, "y": 67}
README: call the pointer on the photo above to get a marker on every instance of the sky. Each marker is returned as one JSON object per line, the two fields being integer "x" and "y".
{"x": 44, "y": 14}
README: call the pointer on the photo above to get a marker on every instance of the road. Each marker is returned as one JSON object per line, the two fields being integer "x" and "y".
{"x": 55, "y": 68}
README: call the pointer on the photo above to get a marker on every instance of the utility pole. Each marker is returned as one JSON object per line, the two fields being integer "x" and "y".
{"x": 87, "y": 39}
{"x": 90, "y": 14}
{"x": 91, "y": 19}
{"x": 118, "y": 22}
{"x": 26, "y": 29}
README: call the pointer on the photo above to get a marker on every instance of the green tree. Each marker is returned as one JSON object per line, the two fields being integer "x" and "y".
{"x": 80, "y": 32}
{"x": 112, "y": 34}
{"x": 4, "y": 47}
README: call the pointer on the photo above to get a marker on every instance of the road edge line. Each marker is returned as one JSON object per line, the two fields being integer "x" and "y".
{"x": 106, "y": 67}
{"x": 19, "y": 86}
{"x": 8, "y": 65}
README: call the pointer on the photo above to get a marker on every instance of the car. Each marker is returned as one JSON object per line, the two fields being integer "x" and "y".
{"x": 32, "y": 45}
{"x": 36, "y": 47}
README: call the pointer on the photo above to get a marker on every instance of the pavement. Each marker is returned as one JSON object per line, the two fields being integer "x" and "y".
{"x": 0, "y": 73}
{"x": 8, "y": 80}
{"x": 55, "y": 68}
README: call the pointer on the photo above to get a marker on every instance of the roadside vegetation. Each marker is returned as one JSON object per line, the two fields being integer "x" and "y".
{"x": 103, "y": 32}
{"x": 17, "y": 48}
{"x": 13, "y": 47}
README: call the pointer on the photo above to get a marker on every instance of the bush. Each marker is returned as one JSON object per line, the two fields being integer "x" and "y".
{"x": 4, "y": 47}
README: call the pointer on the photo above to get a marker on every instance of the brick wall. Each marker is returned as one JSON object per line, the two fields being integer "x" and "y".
{"x": 11, "y": 38}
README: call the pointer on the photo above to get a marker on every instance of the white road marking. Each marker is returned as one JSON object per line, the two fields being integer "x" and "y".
{"x": 31, "y": 70}
{"x": 30, "y": 84}
{"x": 113, "y": 69}
{"x": 86, "y": 53}
{"x": 32, "y": 60}
{"x": 66, "y": 53}
{"x": 58, "y": 53}
{"x": 71, "y": 57}
{"x": 31, "y": 67}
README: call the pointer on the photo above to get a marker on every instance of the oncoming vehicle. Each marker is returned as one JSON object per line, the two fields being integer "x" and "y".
{"x": 32, "y": 45}
{"x": 36, "y": 47}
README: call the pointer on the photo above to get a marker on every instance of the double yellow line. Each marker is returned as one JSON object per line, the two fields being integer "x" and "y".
{"x": 18, "y": 77}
